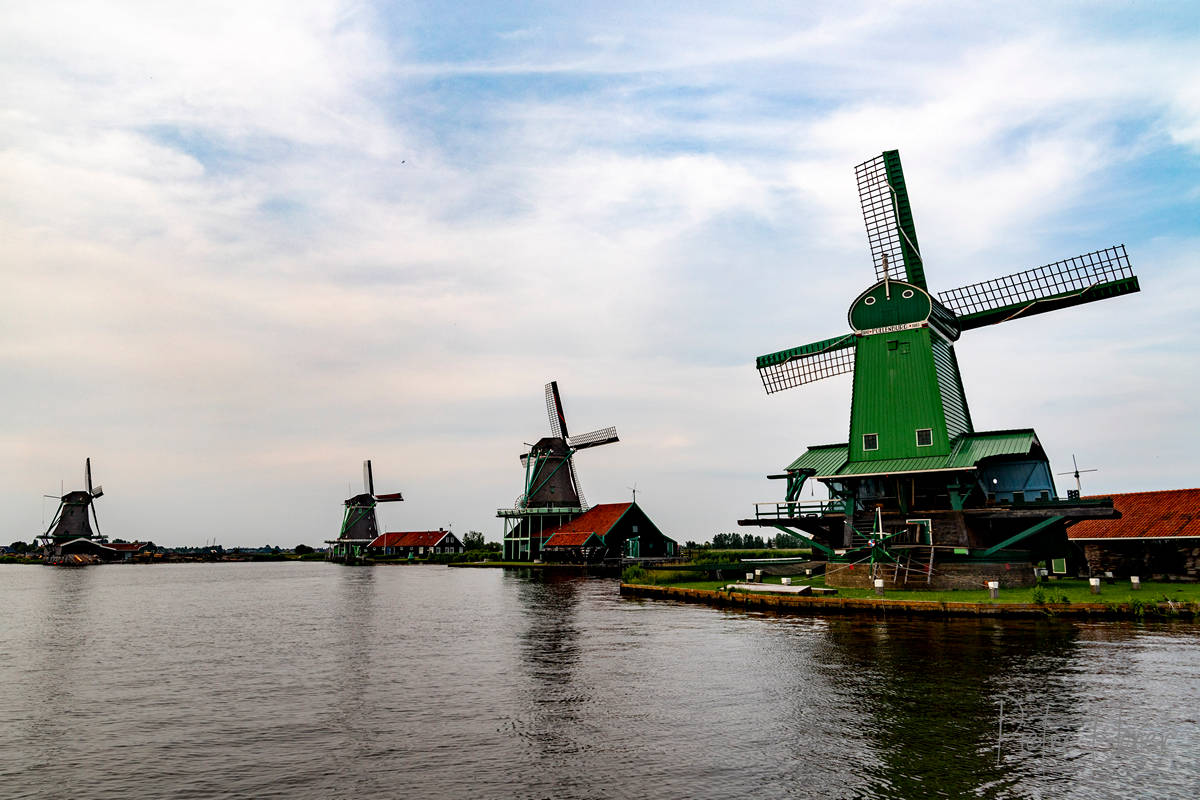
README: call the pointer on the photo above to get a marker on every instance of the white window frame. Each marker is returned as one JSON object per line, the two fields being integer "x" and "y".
{"x": 930, "y": 442}
{"x": 876, "y": 447}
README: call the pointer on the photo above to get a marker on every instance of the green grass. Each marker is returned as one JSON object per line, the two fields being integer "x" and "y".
{"x": 1058, "y": 591}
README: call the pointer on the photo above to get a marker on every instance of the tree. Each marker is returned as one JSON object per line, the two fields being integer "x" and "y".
{"x": 473, "y": 540}
{"x": 19, "y": 547}
{"x": 302, "y": 550}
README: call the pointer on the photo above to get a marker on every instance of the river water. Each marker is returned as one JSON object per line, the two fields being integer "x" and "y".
{"x": 309, "y": 680}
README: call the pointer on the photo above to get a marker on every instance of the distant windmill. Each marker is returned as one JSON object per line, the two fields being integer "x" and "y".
{"x": 359, "y": 524}
{"x": 1077, "y": 470}
{"x": 71, "y": 521}
{"x": 547, "y": 483}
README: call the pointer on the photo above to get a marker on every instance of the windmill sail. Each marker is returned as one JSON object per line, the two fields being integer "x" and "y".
{"x": 558, "y": 420}
{"x": 807, "y": 363}
{"x": 594, "y": 438}
{"x": 1074, "y": 281}
{"x": 890, "y": 229}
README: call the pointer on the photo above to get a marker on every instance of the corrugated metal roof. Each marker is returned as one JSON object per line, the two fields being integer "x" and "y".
{"x": 969, "y": 450}
{"x": 824, "y": 458}
{"x": 1170, "y": 514}
{"x": 891, "y": 466}
{"x": 972, "y": 448}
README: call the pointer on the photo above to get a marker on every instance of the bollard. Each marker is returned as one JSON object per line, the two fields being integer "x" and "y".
{"x": 1135, "y": 582}
{"x": 1095, "y": 582}
{"x": 879, "y": 586}
{"x": 749, "y": 577}
{"x": 994, "y": 589}
{"x": 786, "y": 581}
{"x": 808, "y": 571}
{"x": 758, "y": 576}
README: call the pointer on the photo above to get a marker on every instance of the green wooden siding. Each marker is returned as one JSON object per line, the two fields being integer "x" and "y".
{"x": 954, "y": 400}
{"x": 896, "y": 391}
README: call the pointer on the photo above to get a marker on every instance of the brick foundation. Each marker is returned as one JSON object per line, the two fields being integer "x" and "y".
{"x": 948, "y": 575}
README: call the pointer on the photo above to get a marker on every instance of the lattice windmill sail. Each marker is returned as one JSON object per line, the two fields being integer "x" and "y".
{"x": 896, "y": 256}
{"x": 551, "y": 480}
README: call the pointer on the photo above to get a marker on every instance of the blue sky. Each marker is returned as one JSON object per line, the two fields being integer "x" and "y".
{"x": 247, "y": 247}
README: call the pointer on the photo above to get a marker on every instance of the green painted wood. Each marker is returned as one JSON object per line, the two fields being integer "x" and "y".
{"x": 1023, "y": 534}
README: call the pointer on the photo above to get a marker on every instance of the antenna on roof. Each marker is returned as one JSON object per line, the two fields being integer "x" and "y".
{"x": 634, "y": 490}
{"x": 1078, "y": 485}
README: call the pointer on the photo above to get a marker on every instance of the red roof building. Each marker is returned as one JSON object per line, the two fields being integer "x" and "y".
{"x": 609, "y": 530}
{"x": 415, "y": 543}
{"x": 1171, "y": 514}
{"x": 1157, "y": 536}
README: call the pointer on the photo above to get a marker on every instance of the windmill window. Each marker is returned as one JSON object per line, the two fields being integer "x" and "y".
{"x": 893, "y": 344}
{"x": 869, "y": 301}
{"x": 870, "y": 441}
{"x": 907, "y": 293}
{"x": 924, "y": 437}
{"x": 904, "y": 348}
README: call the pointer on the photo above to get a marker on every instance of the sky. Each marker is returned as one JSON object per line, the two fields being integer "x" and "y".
{"x": 245, "y": 246}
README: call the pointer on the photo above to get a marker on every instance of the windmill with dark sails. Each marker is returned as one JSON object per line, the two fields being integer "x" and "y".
{"x": 360, "y": 526}
{"x": 552, "y": 493}
{"x": 72, "y": 522}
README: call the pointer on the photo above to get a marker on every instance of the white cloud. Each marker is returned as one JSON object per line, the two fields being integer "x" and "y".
{"x": 219, "y": 274}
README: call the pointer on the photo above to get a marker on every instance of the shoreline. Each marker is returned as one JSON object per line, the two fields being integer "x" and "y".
{"x": 799, "y": 604}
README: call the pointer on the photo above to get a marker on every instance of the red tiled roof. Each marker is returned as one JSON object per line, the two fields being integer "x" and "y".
{"x": 409, "y": 539}
{"x": 126, "y": 547}
{"x": 1170, "y": 514}
{"x": 598, "y": 520}
{"x": 576, "y": 539}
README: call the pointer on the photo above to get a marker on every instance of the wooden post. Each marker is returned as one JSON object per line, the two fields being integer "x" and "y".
{"x": 879, "y": 586}
{"x": 1135, "y": 582}
{"x": 1095, "y": 582}
{"x": 994, "y": 589}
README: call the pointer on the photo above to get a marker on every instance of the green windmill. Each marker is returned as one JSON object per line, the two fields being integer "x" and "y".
{"x": 916, "y": 483}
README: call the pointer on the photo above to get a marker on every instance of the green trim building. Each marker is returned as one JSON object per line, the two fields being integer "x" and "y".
{"x": 918, "y": 496}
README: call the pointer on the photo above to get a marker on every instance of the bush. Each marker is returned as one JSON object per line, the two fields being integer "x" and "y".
{"x": 634, "y": 574}
{"x": 1038, "y": 595}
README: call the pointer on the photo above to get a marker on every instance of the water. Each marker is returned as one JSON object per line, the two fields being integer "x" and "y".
{"x": 308, "y": 680}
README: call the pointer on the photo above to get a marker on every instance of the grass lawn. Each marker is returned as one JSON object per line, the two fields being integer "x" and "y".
{"x": 1055, "y": 591}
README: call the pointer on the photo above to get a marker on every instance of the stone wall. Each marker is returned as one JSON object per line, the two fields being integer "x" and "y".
{"x": 949, "y": 575}
{"x": 1150, "y": 559}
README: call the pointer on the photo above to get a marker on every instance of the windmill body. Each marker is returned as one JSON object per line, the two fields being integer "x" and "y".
{"x": 360, "y": 526}
{"x": 552, "y": 495}
{"x": 915, "y": 483}
{"x": 71, "y": 533}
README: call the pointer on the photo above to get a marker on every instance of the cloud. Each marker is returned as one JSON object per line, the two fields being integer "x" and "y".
{"x": 247, "y": 247}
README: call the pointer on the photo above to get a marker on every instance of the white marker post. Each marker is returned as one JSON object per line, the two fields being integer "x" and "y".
{"x": 1135, "y": 582}
{"x": 879, "y": 586}
{"x": 994, "y": 589}
{"x": 1095, "y": 582}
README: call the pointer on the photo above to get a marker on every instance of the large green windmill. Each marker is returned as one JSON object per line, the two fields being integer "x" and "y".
{"x": 915, "y": 475}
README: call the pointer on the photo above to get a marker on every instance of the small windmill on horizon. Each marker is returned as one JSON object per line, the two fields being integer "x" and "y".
{"x": 360, "y": 525}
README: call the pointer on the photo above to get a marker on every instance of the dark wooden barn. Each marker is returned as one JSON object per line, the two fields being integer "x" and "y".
{"x": 609, "y": 530}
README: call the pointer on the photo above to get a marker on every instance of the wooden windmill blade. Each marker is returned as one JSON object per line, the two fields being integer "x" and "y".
{"x": 575, "y": 480}
{"x": 886, "y": 211}
{"x": 1083, "y": 279}
{"x": 806, "y": 363}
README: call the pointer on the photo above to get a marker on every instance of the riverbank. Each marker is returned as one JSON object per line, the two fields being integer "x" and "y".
{"x": 1150, "y": 605}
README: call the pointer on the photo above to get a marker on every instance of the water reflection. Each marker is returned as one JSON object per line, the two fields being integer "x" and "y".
{"x": 556, "y": 692}
{"x": 924, "y": 697}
